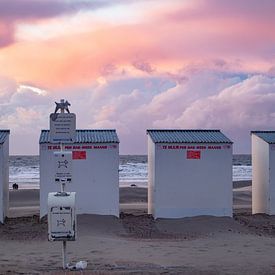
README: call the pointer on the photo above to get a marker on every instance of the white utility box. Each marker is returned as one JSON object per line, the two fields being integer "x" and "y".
{"x": 63, "y": 166}
{"x": 61, "y": 216}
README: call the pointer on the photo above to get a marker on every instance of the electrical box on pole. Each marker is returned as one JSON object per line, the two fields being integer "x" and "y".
{"x": 61, "y": 205}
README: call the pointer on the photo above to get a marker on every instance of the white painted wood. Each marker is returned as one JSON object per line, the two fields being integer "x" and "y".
{"x": 4, "y": 179}
{"x": 95, "y": 179}
{"x": 263, "y": 176}
{"x": 182, "y": 187}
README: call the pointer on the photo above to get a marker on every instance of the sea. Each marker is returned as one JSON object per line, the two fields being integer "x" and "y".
{"x": 24, "y": 170}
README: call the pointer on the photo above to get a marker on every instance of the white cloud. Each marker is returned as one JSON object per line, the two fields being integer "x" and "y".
{"x": 247, "y": 104}
{"x": 25, "y": 88}
{"x": 238, "y": 109}
{"x": 7, "y": 88}
{"x": 204, "y": 99}
{"x": 24, "y": 110}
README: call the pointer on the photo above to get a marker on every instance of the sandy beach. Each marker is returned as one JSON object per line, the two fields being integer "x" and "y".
{"x": 137, "y": 244}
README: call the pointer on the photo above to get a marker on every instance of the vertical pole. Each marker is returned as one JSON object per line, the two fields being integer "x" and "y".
{"x": 62, "y": 187}
{"x": 62, "y": 183}
{"x": 64, "y": 254}
{"x": 62, "y": 106}
{"x": 64, "y": 244}
{"x": 62, "y": 148}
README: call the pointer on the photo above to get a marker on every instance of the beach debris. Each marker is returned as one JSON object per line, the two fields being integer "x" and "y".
{"x": 81, "y": 265}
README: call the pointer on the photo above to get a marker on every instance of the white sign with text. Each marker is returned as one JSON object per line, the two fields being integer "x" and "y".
{"x": 62, "y": 128}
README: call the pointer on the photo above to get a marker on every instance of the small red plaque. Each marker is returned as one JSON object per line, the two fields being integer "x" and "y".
{"x": 79, "y": 154}
{"x": 193, "y": 154}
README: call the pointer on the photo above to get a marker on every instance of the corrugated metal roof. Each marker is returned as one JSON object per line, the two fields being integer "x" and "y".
{"x": 188, "y": 136}
{"x": 3, "y": 135}
{"x": 267, "y": 136}
{"x": 86, "y": 136}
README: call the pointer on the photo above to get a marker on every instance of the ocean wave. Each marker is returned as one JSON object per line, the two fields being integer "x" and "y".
{"x": 24, "y": 170}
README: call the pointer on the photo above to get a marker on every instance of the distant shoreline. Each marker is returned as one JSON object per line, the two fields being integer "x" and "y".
{"x": 241, "y": 183}
{"x": 236, "y": 184}
{"x": 128, "y": 194}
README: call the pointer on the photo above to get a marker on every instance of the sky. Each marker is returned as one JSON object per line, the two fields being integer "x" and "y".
{"x": 133, "y": 65}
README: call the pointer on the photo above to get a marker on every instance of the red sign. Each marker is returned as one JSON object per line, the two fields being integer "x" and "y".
{"x": 193, "y": 154}
{"x": 79, "y": 154}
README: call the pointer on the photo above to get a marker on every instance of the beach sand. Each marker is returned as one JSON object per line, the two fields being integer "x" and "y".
{"x": 138, "y": 244}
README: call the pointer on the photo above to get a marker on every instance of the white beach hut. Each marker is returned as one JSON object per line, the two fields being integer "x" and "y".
{"x": 189, "y": 173}
{"x": 263, "y": 172}
{"x": 95, "y": 167}
{"x": 4, "y": 174}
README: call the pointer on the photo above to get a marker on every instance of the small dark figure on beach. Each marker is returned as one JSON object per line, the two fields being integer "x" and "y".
{"x": 15, "y": 186}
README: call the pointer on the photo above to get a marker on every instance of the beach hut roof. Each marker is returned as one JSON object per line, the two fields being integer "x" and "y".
{"x": 187, "y": 136}
{"x": 267, "y": 136}
{"x": 3, "y": 135}
{"x": 87, "y": 136}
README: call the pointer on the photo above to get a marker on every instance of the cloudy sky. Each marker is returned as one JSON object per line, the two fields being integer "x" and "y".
{"x": 137, "y": 64}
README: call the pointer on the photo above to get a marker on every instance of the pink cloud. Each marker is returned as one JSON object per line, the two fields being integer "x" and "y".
{"x": 142, "y": 65}
{"x": 206, "y": 99}
{"x": 250, "y": 102}
{"x": 196, "y": 64}
{"x": 6, "y": 33}
{"x": 227, "y": 27}
{"x": 238, "y": 109}
{"x": 235, "y": 39}
{"x": 16, "y": 11}
{"x": 218, "y": 9}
